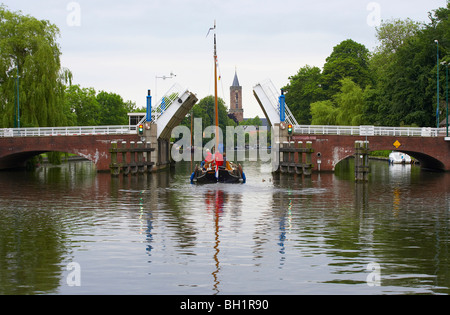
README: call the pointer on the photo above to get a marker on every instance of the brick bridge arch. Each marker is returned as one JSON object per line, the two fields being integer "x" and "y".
{"x": 432, "y": 152}
{"x": 15, "y": 151}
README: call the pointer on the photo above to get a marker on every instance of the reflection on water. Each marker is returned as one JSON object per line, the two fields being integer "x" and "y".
{"x": 276, "y": 234}
{"x": 214, "y": 200}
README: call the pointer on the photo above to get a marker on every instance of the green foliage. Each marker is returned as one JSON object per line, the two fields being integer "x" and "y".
{"x": 406, "y": 70}
{"x": 28, "y": 49}
{"x": 346, "y": 108}
{"x": 349, "y": 59}
{"x": 381, "y": 153}
{"x": 204, "y": 109}
{"x": 350, "y": 104}
{"x": 394, "y": 86}
{"x": 303, "y": 89}
{"x": 334, "y": 96}
{"x": 87, "y": 108}
{"x": 83, "y": 105}
{"x": 113, "y": 109}
{"x": 54, "y": 158}
{"x": 251, "y": 122}
{"x": 392, "y": 34}
{"x": 324, "y": 113}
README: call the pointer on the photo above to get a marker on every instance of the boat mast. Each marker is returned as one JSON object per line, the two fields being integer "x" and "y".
{"x": 215, "y": 90}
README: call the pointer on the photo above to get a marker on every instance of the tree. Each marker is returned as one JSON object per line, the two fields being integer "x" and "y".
{"x": 205, "y": 110}
{"x": 323, "y": 113}
{"x": 83, "y": 105}
{"x": 113, "y": 110}
{"x": 303, "y": 89}
{"x": 28, "y": 49}
{"x": 346, "y": 108}
{"x": 251, "y": 122}
{"x": 406, "y": 69}
{"x": 392, "y": 34}
{"x": 350, "y": 104}
{"x": 349, "y": 59}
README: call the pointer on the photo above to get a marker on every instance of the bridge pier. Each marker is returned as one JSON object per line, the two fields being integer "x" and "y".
{"x": 362, "y": 161}
{"x": 132, "y": 158}
{"x": 161, "y": 153}
{"x": 293, "y": 157}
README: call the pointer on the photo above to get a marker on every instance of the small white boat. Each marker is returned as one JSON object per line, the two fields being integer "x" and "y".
{"x": 399, "y": 158}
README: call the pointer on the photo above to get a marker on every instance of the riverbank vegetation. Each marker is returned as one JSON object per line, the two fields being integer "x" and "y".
{"x": 394, "y": 85}
{"x": 31, "y": 75}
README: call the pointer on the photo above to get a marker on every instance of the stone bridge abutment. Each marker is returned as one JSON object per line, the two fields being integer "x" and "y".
{"x": 15, "y": 151}
{"x": 329, "y": 150}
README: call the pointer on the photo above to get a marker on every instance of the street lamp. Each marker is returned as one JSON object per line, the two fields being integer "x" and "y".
{"x": 437, "y": 91}
{"x": 163, "y": 77}
{"x": 445, "y": 63}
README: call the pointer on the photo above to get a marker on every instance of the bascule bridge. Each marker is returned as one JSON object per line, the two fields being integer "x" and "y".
{"x": 145, "y": 150}
{"x": 320, "y": 148}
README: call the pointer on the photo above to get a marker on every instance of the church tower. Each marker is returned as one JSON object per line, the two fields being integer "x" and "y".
{"x": 236, "y": 109}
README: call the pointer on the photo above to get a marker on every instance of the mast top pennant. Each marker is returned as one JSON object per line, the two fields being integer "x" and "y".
{"x": 212, "y": 28}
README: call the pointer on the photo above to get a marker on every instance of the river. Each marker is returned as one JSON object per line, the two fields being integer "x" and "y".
{"x": 69, "y": 230}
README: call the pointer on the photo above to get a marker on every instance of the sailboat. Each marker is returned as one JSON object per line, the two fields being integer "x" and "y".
{"x": 217, "y": 169}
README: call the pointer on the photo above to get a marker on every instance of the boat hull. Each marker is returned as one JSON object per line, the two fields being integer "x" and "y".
{"x": 399, "y": 158}
{"x": 225, "y": 176}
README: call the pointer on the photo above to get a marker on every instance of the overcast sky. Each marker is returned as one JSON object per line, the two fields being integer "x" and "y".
{"x": 121, "y": 46}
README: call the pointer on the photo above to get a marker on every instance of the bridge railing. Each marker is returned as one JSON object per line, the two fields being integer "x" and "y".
{"x": 273, "y": 95}
{"x": 164, "y": 103}
{"x": 299, "y": 129}
{"x": 369, "y": 131}
{"x": 67, "y": 131}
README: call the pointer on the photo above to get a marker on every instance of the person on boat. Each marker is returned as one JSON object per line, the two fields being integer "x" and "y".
{"x": 218, "y": 157}
{"x": 226, "y": 163}
{"x": 208, "y": 157}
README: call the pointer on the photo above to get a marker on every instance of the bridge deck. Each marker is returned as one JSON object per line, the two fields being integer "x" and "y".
{"x": 67, "y": 131}
{"x": 370, "y": 131}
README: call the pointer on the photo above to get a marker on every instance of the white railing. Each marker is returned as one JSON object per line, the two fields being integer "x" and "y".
{"x": 369, "y": 131}
{"x": 273, "y": 95}
{"x": 164, "y": 103}
{"x": 67, "y": 131}
{"x": 298, "y": 129}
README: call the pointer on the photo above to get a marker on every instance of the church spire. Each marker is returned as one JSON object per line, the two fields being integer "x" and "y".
{"x": 235, "y": 81}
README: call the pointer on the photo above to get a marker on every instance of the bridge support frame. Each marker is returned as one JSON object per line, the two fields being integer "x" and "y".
{"x": 362, "y": 161}
{"x": 296, "y": 158}
{"x": 135, "y": 158}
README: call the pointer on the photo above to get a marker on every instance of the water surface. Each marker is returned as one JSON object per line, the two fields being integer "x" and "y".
{"x": 275, "y": 234}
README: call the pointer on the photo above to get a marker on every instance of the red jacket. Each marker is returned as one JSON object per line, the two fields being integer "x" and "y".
{"x": 219, "y": 158}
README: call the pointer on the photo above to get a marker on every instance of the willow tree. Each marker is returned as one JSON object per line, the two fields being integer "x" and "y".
{"x": 29, "y": 50}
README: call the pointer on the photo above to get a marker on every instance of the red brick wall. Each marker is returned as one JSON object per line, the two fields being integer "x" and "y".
{"x": 14, "y": 152}
{"x": 432, "y": 152}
